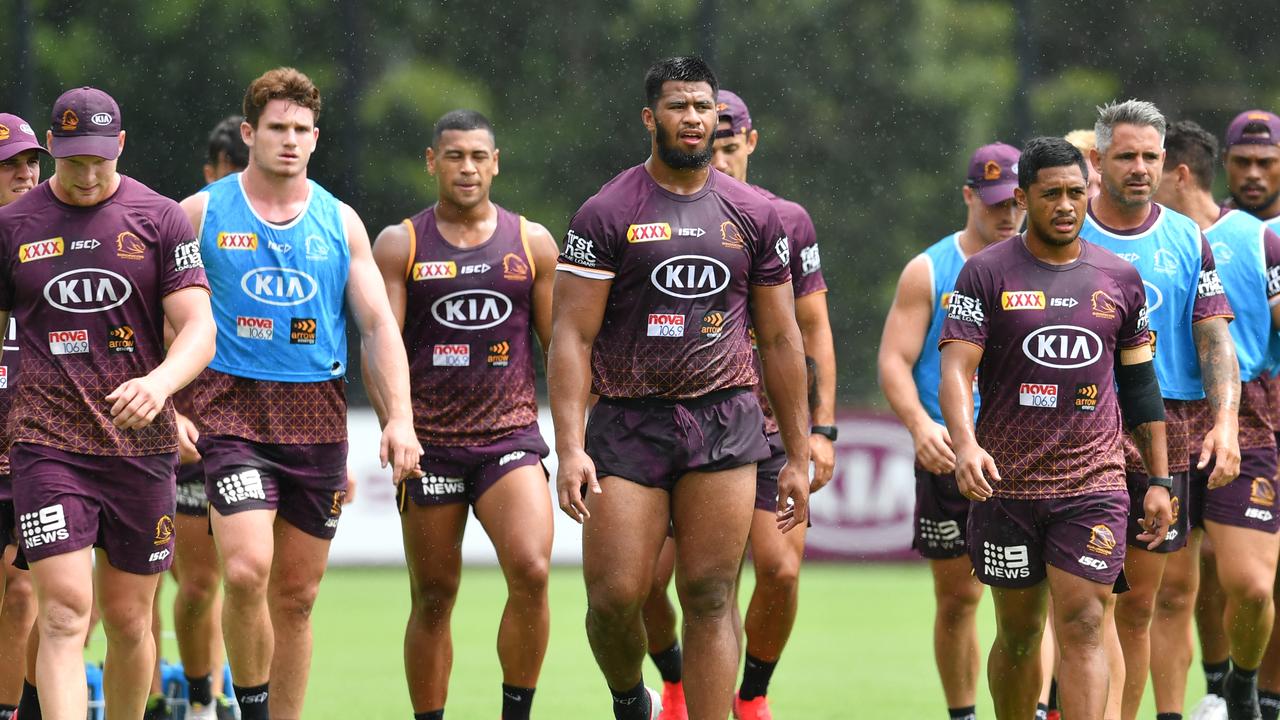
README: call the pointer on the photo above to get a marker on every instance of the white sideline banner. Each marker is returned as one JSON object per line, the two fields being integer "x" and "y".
{"x": 865, "y": 513}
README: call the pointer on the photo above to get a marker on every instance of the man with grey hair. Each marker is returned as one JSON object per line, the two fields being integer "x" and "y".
{"x": 1197, "y": 362}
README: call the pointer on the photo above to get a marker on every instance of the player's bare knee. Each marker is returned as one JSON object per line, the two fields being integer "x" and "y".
{"x": 779, "y": 576}
{"x": 958, "y": 600}
{"x": 246, "y": 574}
{"x": 1080, "y": 627}
{"x": 432, "y": 598}
{"x": 706, "y": 597}
{"x": 1135, "y": 610}
{"x": 125, "y": 624}
{"x": 1176, "y": 596}
{"x": 198, "y": 590}
{"x": 20, "y": 599}
{"x": 528, "y": 577}
{"x": 1251, "y": 592}
{"x": 613, "y": 604}
{"x": 294, "y": 601}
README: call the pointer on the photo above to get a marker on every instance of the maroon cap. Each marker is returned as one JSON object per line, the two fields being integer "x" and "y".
{"x": 733, "y": 111}
{"x": 993, "y": 172}
{"x": 1267, "y": 131}
{"x": 85, "y": 121}
{"x": 17, "y": 136}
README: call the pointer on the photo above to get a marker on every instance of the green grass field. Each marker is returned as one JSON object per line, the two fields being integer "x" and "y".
{"x": 861, "y": 649}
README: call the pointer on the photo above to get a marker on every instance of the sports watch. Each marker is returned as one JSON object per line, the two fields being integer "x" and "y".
{"x": 829, "y": 432}
{"x": 1157, "y": 481}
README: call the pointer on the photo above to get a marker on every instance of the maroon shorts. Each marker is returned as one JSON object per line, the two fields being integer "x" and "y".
{"x": 1176, "y": 538}
{"x": 463, "y": 474}
{"x": 8, "y": 524}
{"x": 191, "y": 498}
{"x": 767, "y": 474}
{"x": 655, "y": 442}
{"x": 1249, "y": 501}
{"x": 67, "y": 501}
{"x": 941, "y": 516}
{"x": 1011, "y": 541}
{"x": 304, "y": 484}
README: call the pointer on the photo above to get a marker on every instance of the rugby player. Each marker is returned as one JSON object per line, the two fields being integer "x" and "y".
{"x": 1253, "y": 180}
{"x": 92, "y": 265}
{"x": 1196, "y": 358}
{"x": 1248, "y": 260}
{"x": 909, "y": 376}
{"x": 1042, "y": 319}
{"x": 658, "y": 274}
{"x": 776, "y": 557}
{"x": 284, "y": 259}
{"x": 468, "y": 281}
{"x": 20, "y": 151}
{"x": 197, "y": 605}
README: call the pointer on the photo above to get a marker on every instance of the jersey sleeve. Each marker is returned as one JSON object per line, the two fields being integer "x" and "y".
{"x": 1211, "y": 297}
{"x": 806, "y": 264}
{"x": 771, "y": 253}
{"x": 1134, "y": 326}
{"x": 1271, "y": 256}
{"x": 6, "y": 269}
{"x": 967, "y": 308}
{"x": 182, "y": 264}
{"x": 591, "y": 245}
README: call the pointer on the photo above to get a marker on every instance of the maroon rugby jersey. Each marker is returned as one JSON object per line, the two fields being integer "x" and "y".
{"x": 1050, "y": 334}
{"x": 467, "y": 331}
{"x": 675, "y": 325}
{"x": 8, "y": 381}
{"x": 86, "y": 286}
{"x": 806, "y": 275}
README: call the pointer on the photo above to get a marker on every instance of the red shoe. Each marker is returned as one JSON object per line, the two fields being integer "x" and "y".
{"x": 673, "y": 702}
{"x": 754, "y": 709}
{"x": 1055, "y": 715}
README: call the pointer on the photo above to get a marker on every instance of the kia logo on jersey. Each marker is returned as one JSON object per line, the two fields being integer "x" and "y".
{"x": 279, "y": 286}
{"x": 690, "y": 276}
{"x": 471, "y": 309}
{"x": 1063, "y": 347}
{"x": 87, "y": 290}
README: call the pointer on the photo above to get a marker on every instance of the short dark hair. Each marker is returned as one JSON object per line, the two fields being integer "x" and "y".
{"x": 686, "y": 68}
{"x": 282, "y": 83}
{"x": 1047, "y": 152}
{"x": 225, "y": 139}
{"x": 1186, "y": 143}
{"x": 461, "y": 120}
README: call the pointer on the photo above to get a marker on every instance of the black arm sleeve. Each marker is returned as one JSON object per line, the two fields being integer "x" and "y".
{"x": 1138, "y": 391}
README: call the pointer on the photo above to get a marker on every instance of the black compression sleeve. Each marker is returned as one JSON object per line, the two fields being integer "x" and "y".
{"x": 1139, "y": 394}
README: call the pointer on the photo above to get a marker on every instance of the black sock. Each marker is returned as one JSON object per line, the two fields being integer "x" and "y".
{"x": 431, "y": 715}
{"x": 1042, "y": 711}
{"x": 6, "y": 711}
{"x": 631, "y": 704}
{"x": 755, "y": 677}
{"x": 968, "y": 713}
{"x": 1168, "y": 716}
{"x": 1240, "y": 684}
{"x": 670, "y": 663}
{"x": 252, "y": 701}
{"x": 516, "y": 702}
{"x": 1213, "y": 676}
{"x": 1270, "y": 702}
{"x": 1053, "y": 694}
{"x": 29, "y": 703}
{"x": 200, "y": 689}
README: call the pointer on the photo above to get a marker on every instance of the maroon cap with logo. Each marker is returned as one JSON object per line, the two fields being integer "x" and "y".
{"x": 993, "y": 172}
{"x": 733, "y": 111}
{"x": 1254, "y": 127}
{"x": 85, "y": 121}
{"x": 17, "y": 136}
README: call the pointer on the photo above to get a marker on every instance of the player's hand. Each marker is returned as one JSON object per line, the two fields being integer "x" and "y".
{"x": 933, "y": 448}
{"x": 1222, "y": 444}
{"x": 793, "y": 497}
{"x": 823, "y": 454}
{"x": 575, "y": 470}
{"x": 400, "y": 449}
{"x": 973, "y": 467}
{"x": 1157, "y": 516}
{"x": 137, "y": 402}
{"x": 188, "y": 435}
{"x": 350, "y": 497}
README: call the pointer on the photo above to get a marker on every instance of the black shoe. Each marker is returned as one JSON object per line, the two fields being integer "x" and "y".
{"x": 1242, "y": 704}
{"x": 157, "y": 709}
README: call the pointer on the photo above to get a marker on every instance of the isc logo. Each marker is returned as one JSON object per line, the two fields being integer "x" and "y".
{"x": 1092, "y": 562}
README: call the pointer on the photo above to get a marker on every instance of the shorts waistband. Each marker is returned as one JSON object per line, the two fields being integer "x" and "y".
{"x": 693, "y": 403}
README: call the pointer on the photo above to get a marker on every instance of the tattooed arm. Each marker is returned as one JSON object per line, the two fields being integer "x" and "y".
{"x": 1221, "y": 376}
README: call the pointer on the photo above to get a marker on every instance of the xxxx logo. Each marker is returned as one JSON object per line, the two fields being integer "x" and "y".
{"x": 649, "y": 232}
{"x": 40, "y": 250}
{"x": 237, "y": 241}
{"x": 434, "y": 270}
{"x": 1024, "y": 300}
